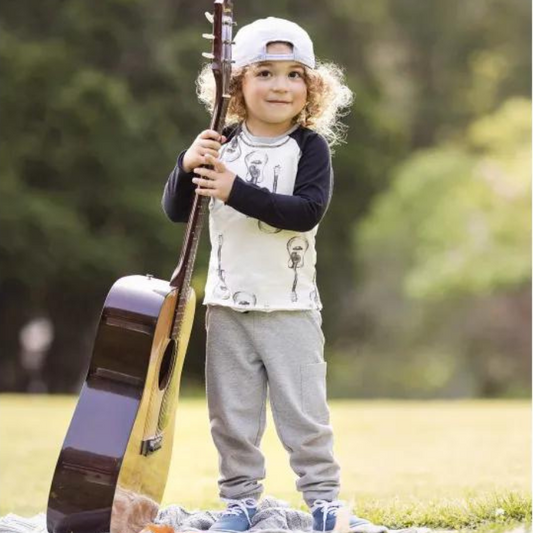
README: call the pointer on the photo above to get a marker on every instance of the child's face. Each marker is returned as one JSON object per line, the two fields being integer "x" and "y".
{"x": 274, "y": 92}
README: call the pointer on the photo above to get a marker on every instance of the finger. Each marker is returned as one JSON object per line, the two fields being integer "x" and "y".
{"x": 212, "y": 153}
{"x": 206, "y": 172}
{"x": 210, "y": 134}
{"x": 205, "y": 192}
{"x": 206, "y": 184}
{"x": 206, "y": 143}
{"x": 217, "y": 164}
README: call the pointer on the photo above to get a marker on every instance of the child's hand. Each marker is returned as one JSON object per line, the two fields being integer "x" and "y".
{"x": 208, "y": 142}
{"x": 219, "y": 180}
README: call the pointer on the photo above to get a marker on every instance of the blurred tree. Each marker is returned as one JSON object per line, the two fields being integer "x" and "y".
{"x": 101, "y": 99}
{"x": 80, "y": 184}
{"x": 453, "y": 231}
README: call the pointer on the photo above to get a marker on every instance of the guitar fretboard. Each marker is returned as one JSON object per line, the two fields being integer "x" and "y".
{"x": 194, "y": 230}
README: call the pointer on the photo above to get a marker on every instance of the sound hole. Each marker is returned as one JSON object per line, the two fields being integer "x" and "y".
{"x": 167, "y": 364}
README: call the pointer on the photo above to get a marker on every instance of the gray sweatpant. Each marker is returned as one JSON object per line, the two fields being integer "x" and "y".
{"x": 284, "y": 350}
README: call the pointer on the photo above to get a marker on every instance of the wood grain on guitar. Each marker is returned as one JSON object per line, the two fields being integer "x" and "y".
{"x": 113, "y": 465}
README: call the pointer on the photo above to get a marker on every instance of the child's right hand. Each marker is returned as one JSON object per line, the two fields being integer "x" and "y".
{"x": 208, "y": 142}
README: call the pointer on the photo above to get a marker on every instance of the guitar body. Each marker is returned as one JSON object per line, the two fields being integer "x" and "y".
{"x": 117, "y": 450}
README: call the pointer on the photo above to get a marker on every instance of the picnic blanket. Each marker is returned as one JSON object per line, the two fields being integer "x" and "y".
{"x": 273, "y": 516}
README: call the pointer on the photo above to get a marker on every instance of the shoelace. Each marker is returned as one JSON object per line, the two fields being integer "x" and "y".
{"x": 236, "y": 507}
{"x": 327, "y": 508}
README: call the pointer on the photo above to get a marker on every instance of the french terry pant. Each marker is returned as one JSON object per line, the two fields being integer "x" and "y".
{"x": 284, "y": 351}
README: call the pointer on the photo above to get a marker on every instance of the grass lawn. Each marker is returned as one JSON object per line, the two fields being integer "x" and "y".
{"x": 453, "y": 465}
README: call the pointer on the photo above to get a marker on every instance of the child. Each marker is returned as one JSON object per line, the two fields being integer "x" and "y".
{"x": 270, "y": 186}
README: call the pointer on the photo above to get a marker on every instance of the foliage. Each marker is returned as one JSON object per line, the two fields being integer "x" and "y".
{"x": 446, "y": 261}
{"x": 460, "y": 215}
{"x": 100, "y": 99}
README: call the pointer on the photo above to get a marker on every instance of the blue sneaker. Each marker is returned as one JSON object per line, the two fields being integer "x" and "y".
{"x": 237, "y": 516}
{"x": 325, "y": 516}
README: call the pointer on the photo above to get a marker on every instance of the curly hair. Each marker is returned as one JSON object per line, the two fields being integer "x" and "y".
{"x": 328, "y": 99}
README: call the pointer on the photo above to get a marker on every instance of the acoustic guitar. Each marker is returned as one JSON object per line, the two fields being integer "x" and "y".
{"x": 118, "y": 447}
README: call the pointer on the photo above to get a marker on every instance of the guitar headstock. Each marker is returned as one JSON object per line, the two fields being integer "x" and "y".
{"x": 222, "y": 38}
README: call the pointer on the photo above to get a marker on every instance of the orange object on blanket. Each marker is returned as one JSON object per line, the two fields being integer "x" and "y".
{"x": 153, "y": 528}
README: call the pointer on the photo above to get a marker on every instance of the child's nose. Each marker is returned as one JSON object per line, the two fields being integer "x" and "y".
{"x": 281, "y": 83}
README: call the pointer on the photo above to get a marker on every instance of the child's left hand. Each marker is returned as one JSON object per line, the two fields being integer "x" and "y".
{"x": 219, "y": 180}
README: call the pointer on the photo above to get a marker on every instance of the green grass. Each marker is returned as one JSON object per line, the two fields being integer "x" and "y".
{"x": 446, "y": 465}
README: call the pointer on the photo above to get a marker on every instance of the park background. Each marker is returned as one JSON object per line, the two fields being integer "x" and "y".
{"x": 424, "y": 255}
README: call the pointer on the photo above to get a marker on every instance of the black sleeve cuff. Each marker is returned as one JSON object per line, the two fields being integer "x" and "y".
{"x": 237, "y": 193}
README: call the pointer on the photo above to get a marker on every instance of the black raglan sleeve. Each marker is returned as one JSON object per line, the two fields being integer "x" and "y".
{"x": 178, "y": 195}
{"x": 302, "y": 210}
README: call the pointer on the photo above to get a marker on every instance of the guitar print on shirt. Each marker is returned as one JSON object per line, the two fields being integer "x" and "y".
{"x": 255, "y": 164}
{"x": 297, "y": 246}
{"x": 221, "y": 289}
{"x": 263, "y": 226}
{"x": 244, "y": 299}
{"x": 313, "y": 295}
{"x": 231, "y": 151}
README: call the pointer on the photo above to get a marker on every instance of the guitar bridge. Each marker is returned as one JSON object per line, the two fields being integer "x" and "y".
{"x": 150, "y": 446}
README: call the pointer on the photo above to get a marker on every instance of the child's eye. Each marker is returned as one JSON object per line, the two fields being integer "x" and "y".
{"x": 295, "y": 74}
{"x": 263, "y": 73}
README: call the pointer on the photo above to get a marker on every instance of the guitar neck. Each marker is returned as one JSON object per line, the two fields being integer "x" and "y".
{"x": 181, "y": 278}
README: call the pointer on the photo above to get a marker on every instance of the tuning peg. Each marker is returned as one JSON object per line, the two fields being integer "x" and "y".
{"x": 209, "y": 17}
{"x": 208, "y": 56}
{"x": 208, "y": 36}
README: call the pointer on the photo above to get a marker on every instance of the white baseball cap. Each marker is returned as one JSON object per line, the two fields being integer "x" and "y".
{"x": 251, "y": 42}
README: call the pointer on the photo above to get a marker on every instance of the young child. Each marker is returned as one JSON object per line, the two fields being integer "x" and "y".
{"x": 269, "y": 189}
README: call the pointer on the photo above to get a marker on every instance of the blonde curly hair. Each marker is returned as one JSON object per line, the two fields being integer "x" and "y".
{"x": 328, "y": 99}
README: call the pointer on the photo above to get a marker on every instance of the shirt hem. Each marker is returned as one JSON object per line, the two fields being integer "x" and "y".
{"x": 269, "y": 309}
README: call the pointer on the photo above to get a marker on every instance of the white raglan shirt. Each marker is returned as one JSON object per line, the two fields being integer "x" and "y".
{"x": 254, "y": 266}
